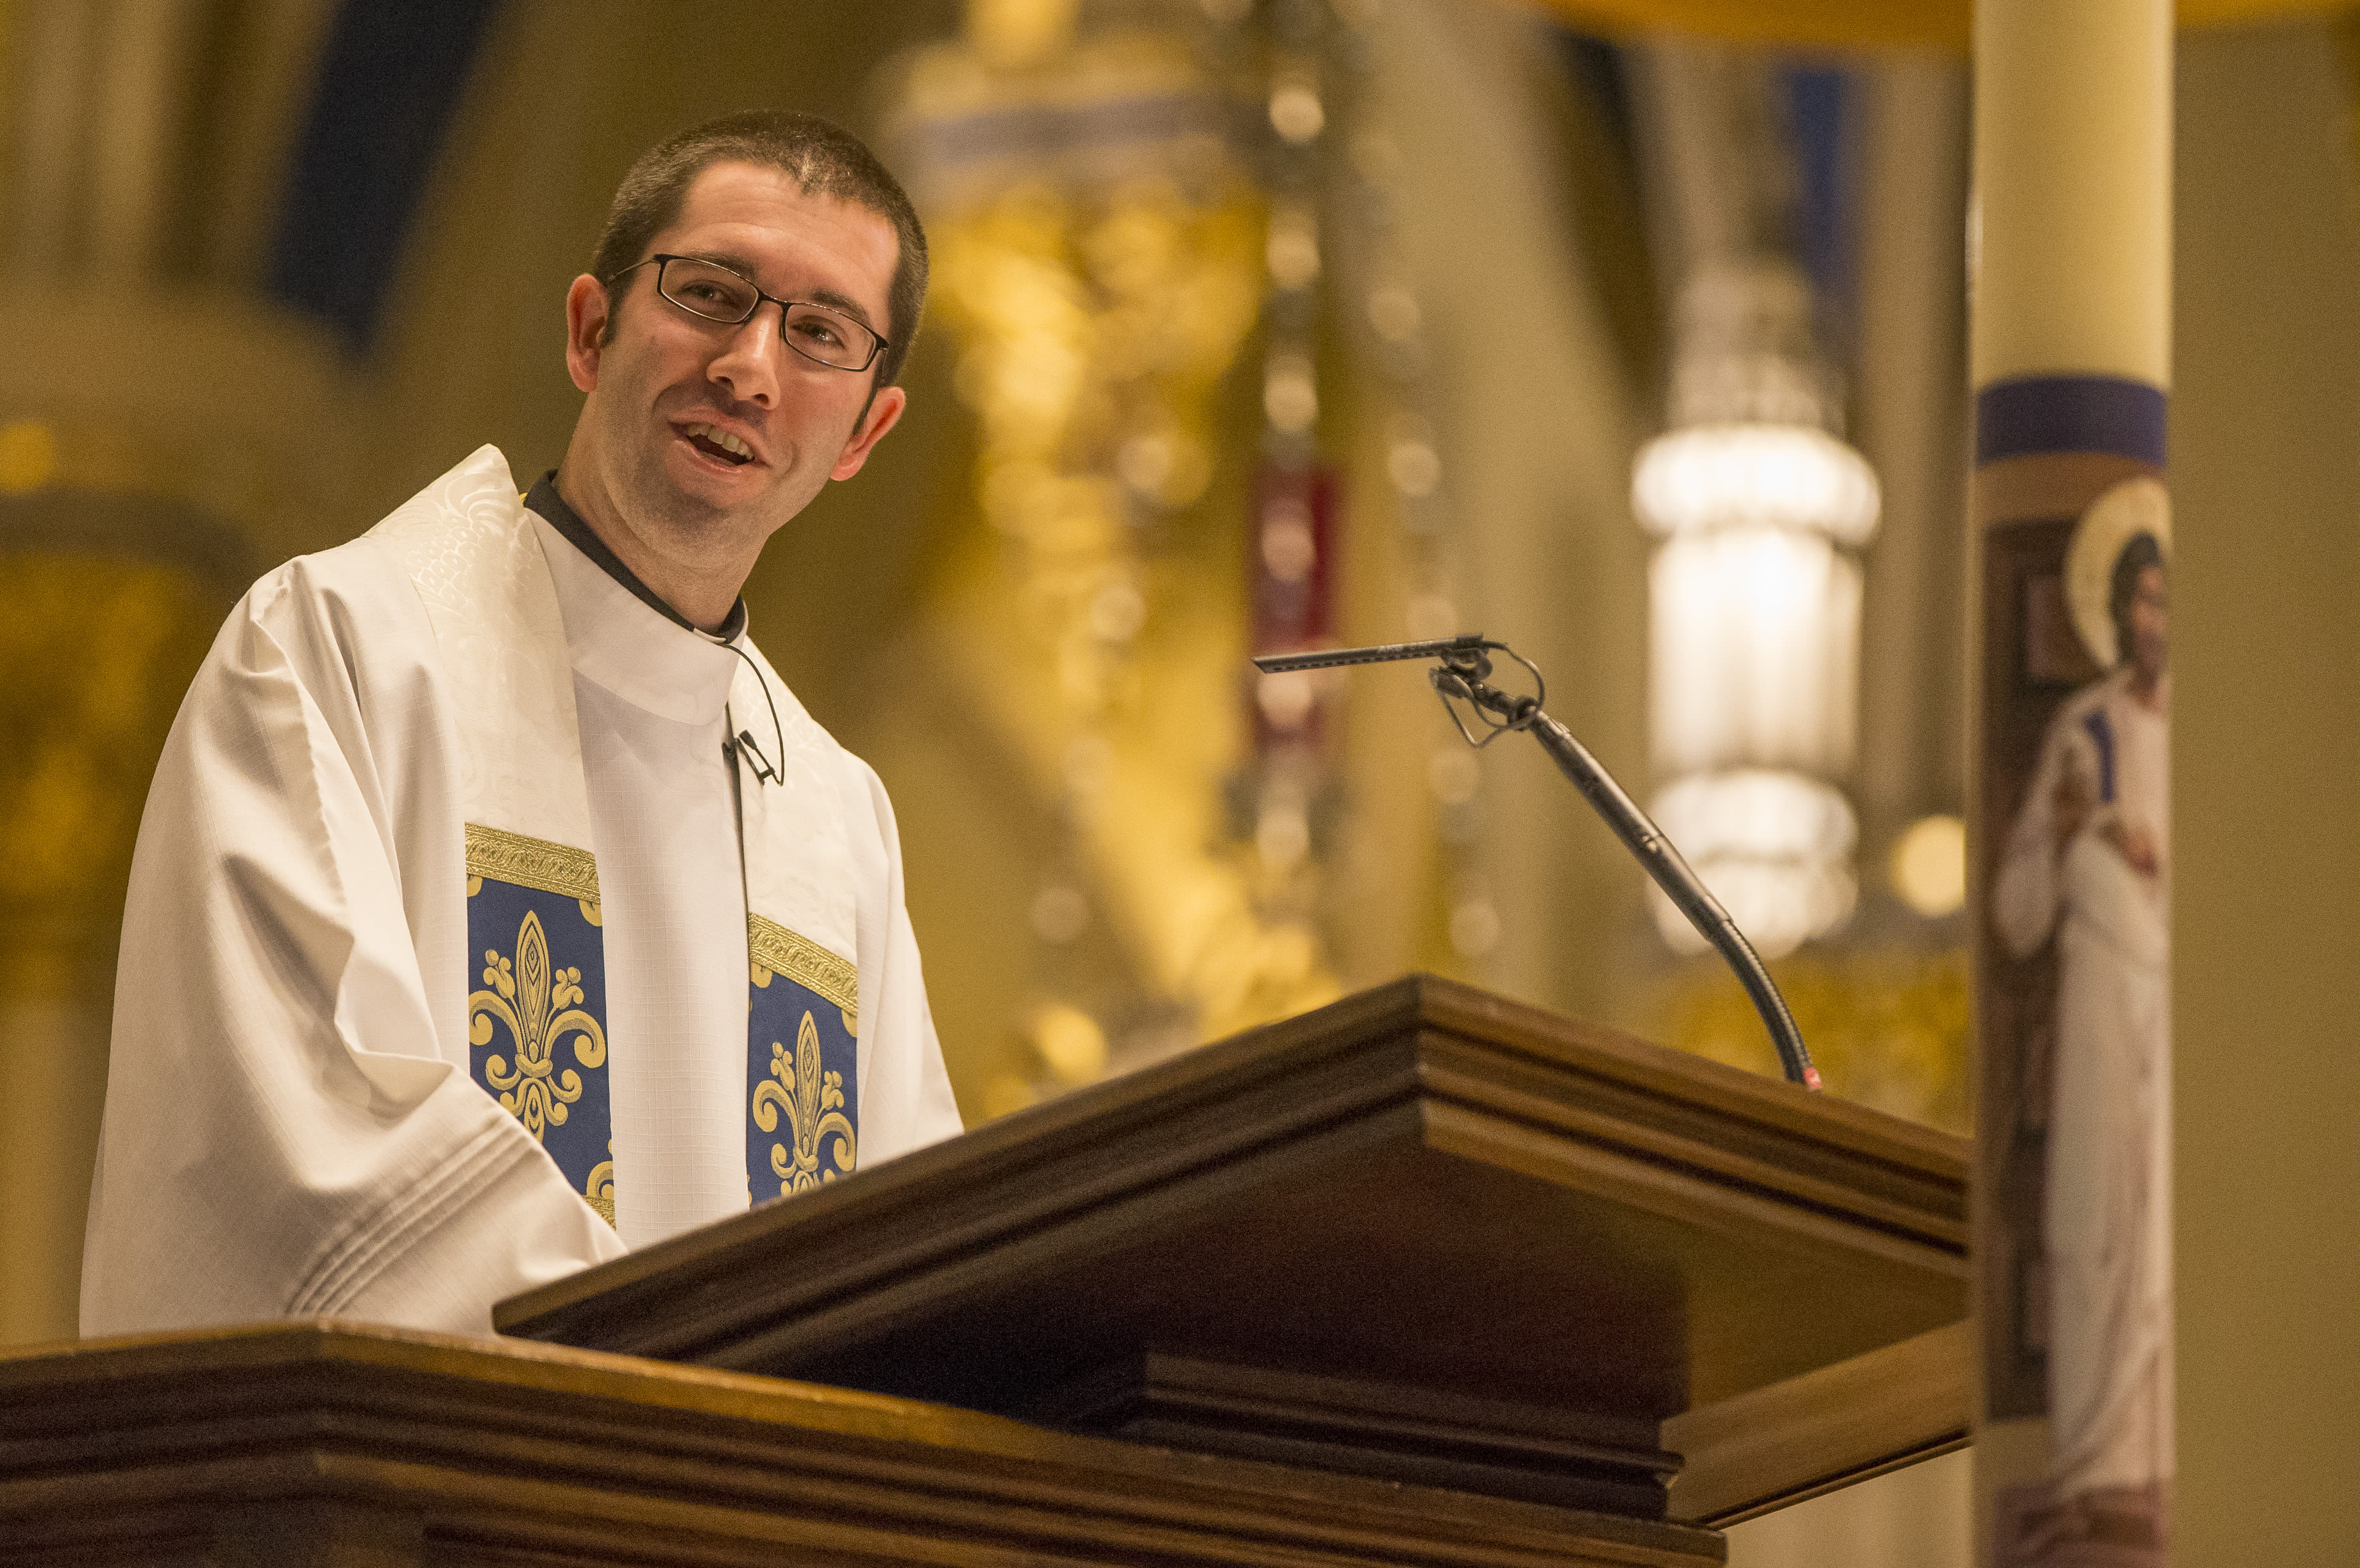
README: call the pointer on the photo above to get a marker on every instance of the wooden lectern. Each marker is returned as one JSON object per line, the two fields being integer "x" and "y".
{"x": 1424, "y": 1277}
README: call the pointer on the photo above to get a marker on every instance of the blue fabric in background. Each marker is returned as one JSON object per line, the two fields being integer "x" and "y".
{"x": 389, "y": 78}
{"x": 1823, "y": 102}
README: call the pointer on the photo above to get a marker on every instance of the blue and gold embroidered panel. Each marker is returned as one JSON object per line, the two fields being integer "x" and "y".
{"x": 803, "y": 1099}
{"x": 537, "y": 1014}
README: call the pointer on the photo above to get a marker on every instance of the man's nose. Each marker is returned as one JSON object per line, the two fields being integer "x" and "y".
{"x": 748, "y": 363}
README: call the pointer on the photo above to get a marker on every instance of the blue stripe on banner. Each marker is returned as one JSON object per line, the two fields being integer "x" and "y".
{"x": 2042, "y": 414}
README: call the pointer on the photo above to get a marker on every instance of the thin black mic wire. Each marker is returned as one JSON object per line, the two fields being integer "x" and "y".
{"x": 764, "y": 772}
{"x": 1465, "y": 665}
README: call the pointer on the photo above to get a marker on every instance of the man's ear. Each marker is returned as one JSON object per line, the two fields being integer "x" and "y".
{"x": 586, "y": 323}
{"x": 884, "y": 413}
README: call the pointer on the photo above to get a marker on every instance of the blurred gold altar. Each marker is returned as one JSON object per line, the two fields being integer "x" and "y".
{"x": 1254, "y": 326}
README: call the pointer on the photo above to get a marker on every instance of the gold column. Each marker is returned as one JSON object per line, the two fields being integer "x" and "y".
{"x": 2069, "y": 352}
{"x": 2267, "y": 784}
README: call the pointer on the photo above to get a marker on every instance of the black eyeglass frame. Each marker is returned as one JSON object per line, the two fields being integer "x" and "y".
{"x": 662, "y": 258}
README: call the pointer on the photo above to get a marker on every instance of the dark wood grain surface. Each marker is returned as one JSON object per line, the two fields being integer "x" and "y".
{"x": 338, "y": 1445}
{"x": 1423, "y": 1187}
{"x": 1795, "y": 1440}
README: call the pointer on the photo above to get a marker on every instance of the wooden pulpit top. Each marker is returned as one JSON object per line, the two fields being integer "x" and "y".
{"x": 340, "y": 1443}
{"x": 1440, "y": 1199}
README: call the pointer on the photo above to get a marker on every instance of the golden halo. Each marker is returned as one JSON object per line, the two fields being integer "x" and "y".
{"x": 2134, "y": 507}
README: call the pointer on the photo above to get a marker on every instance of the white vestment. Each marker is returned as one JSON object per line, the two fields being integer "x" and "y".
{"x": 291, "y": 1124}
{"x": 2106, "y": 1212}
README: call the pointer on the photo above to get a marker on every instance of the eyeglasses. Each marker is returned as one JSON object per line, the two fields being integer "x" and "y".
{"x": 709, "y": 291}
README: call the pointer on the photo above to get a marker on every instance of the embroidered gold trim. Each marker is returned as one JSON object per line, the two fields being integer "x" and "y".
{"x": 599, "y": 1192}
{"x": 532, "y": 863}
{"x": 807, "y": 964}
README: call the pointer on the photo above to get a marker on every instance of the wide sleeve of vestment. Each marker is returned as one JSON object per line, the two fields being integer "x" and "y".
{"x": 2024, "y": 894}
{"x": 290, "y": 1128}
{"x": 2028, "y": 891}
{"x": 905, "y": 1092}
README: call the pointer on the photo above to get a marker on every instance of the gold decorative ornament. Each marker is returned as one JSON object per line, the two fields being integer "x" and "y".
{"x": 536, "y": 1004}
{"x": 775, "y": 950}
{"x": 812, "y": 1101}
{"x": 599, "y": 1192}
{"x": 534, "y": 863}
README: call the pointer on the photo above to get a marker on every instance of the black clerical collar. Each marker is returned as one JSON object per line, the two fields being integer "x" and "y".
{"x": 544, "y": 498}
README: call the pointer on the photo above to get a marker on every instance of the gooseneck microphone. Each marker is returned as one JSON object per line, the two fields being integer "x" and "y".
{"x": 1465, "y": 666}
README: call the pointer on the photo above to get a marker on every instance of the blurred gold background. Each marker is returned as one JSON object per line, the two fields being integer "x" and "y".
{"x": 268, "y": 266}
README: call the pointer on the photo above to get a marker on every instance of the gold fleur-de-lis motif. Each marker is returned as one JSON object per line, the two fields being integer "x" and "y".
{"x": 537, "y": 1003}
{"x": 599, "y": 1192}
{"x": 811, "y": 1100}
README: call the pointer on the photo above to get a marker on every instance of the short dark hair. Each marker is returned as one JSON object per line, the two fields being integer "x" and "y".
{"x": 821, "y": 157}
{"x": 2139, "y": 551}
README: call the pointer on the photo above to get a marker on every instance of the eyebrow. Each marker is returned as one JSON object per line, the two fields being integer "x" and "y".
{"x": 745, "y": 268}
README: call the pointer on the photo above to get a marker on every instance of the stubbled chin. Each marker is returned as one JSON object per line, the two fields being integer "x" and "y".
{"x": 683, "y": 490}
{"x": 703, "y": 476}
{"x": 681, "y": 493}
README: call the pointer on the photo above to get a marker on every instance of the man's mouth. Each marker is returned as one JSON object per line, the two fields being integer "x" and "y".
{"x": 717, "y": 445}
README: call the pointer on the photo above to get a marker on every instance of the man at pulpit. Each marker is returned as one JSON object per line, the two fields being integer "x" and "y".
{"x": 496, "y": 909}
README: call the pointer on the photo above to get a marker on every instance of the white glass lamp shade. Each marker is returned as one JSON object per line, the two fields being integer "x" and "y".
{"x": 1708, "y": 478}
{"x": 1755, "y": 667}
{"x": 1775, "y": 847}
{"x": 1755, "y": 652}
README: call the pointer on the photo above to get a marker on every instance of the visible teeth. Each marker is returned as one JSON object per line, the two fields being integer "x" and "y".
{"x": 721, "y": 438}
